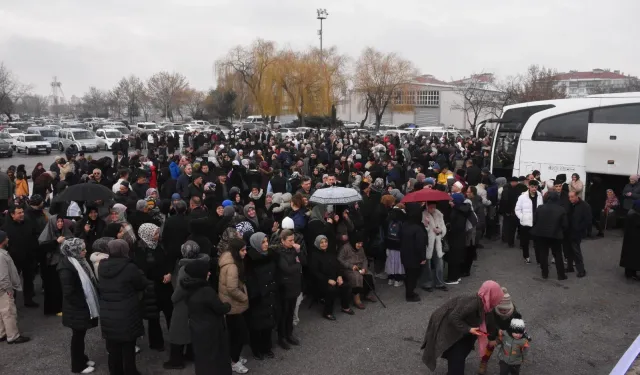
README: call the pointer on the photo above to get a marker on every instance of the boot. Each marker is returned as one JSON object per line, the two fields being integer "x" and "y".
{"x": 357, "y": 302}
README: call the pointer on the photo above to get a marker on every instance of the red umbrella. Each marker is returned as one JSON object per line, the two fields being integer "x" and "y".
{"x": 426, "y": 195}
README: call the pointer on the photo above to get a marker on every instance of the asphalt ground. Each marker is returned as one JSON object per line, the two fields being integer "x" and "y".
{"x": 578, "y": 326}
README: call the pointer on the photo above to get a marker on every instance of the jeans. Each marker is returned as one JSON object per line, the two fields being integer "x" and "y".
{"x": 78, "y": 357}
{"x": 122, "y": 357}
{"x": 433, "y": 273}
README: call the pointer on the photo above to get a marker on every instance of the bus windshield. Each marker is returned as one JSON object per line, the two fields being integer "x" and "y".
{"x": 508, "y": 135}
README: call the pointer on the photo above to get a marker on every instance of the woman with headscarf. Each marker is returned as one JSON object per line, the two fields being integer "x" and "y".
{"x": 38, "y": 170}
{"x": 54, "y": 234}
{"x": 454, "y": 327}
{"x": 326, "y": 272}
{"x": 319, "y": 225}
{"x": 179, "y": 334}
{"x": 90, "y": 228}
{"x": 455, "y": 257}
{"x": 227, "y": 235}
{"x": 150, "y": 257}
{"x": 260, "y": 270}
{"x": 80, "y": 309}
{"x": 119, "y": 216}
{"x": 608, "y": 214}
{"x": 99, "y": 252}
{"x": 353, "y": 264}
{"x": 120, "y": 309}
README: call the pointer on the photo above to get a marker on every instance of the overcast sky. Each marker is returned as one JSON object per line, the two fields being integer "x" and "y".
{"x": 95, "y": 43}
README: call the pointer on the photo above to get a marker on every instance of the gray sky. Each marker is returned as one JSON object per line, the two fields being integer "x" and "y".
{"x": 95, "y": 43}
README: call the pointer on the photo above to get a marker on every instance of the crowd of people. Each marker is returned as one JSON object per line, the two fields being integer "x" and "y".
{"x": 217, "y": 233}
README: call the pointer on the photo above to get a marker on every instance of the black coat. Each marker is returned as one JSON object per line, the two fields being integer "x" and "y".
{"x": 456, "y": 233}
{"x": 579, "y": 219}
{"x": 413, "y": 246}
{"x": 289, "y": 272}
{"x": 550, "y": 221}
{"x": 473, "y": 176}
{"x": 95, "y": 232}
{"x": 324, "y": 266}
{"x": 630, "y": 254}
{"x": 23, "y": 239}
{"x": 209, "y": 335}
{"x": 154, "y": 263}
{"x": 174, "y": 234}
{"x": 120, "y": 308}
{"x": 75, "y": 311}
{"x": 262, "y": 288}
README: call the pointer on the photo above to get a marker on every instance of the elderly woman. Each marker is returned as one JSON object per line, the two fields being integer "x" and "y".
{"x": 53, "y": 235}
{"x": 454, "y": 327}
{"x": 608, "y": 214}
{"x": 353, "y": 262}
{"x": 80, "y": 309}
{"x": 179, "y": 334}
{"x": 326, "y": 272}
{"x": 119, "y": 216}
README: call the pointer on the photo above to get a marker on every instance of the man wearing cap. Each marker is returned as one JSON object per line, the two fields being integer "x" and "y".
{"x": 9, "y": 284}
{"x": 525, "y": 210}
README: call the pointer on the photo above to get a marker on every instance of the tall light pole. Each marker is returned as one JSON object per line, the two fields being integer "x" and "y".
{"x": 322, "y": 15}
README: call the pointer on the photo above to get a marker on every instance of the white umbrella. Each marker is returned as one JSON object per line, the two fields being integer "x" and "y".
{"x": 335, "y": 195}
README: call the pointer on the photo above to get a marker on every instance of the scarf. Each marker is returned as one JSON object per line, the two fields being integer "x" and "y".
{"x": 147, "y": 232}
{"x": 611, "y": 201}
{"x": 491, "y": 295}
{"x": 71, "y": 248}
{"x": 319, "y": 239}
{"x": 256, "y": 242}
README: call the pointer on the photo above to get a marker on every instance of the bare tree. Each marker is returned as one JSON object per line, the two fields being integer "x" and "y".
{"x": 35, "y": 105}
{"x": 194, "y": 102}
{"x": 94, "y": 100}
{"x": 11, "y": 90}
{"x": 380, "y": 77}
{"x": 164, "y": 89}
{"x": 133, "y": 91}
{"x": 477, "y": 97}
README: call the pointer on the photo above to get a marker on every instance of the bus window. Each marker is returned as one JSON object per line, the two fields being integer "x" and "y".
{"x": 624, "y": 114}
{"x": 505, "y": 149}
{"x": 572, "y": 127}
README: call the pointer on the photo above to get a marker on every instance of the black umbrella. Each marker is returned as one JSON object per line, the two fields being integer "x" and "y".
{"x": 85, "y": 192}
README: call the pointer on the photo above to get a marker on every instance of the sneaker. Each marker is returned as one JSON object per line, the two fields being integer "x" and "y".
{"x": 138, "y": 350}
{"x": 88, "y": 370}
{"x": 91, "y": 364}
{"x": 454, "y": 282}
{"x": 553, "y": 260}
{"x": 527, "y": 260}
{"x": 391, "y": 282}
{"x": 19, "y": 340}
{"x": 398, "y": 283}
{"x": 59, "y": 314}
{"x": 242, "y": 360}
{"x": 382, "y": 275}
{"x": 582, "y": 274}
{"x": 239, "y": 368}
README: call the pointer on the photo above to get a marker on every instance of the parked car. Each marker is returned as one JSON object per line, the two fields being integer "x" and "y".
{"x": 48, "y": 134}
{"x": 351, "y": 125}
{"x": 106, "y": 138}
{"x": 5, "y": 148}
{"x": 145, "y": 127}
{"x": 437, "y": 131}
{"x": 32, "y": 144}
{"x": 13, "y": 132}
{"x": 8, "y": 138}
{"x": 85, "y": 140}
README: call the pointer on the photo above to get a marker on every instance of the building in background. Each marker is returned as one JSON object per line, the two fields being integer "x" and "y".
{"x": 578, "y": 84}
{"x": 433, "y": 103}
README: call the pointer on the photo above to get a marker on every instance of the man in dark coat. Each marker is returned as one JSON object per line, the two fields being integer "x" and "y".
{"x": 141, "y": 186}
{"x": 629, "y": 256}
{"x": 474, "y": 173}
{"x": 550, "y": 223}
{"x": 175, "y": 232}
{"x": 126, "y": 196}
{"x": 510, "y": 194}
{"x": 196, "y": 188}
{"x": 413, "y": 249}
{"x": 23, "y": 248}
{"x": 579, "y": 223}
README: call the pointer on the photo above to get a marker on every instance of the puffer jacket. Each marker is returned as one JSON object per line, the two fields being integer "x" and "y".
{"x": 230, "y": 288}
{"x": 524, "y": 209}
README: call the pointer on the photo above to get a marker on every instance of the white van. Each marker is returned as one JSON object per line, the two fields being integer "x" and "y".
{"x": 145, "y": 127}
{"x": 437, "y": 131}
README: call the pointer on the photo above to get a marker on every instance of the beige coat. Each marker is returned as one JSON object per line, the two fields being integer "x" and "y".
{"x": 348, "y": 257}
{"x": 230, "y": 288}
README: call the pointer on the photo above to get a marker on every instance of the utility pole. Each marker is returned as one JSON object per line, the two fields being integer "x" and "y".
{"x": 322, "y": 15}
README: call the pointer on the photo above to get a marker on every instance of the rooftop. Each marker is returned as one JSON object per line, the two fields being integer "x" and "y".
{"x": 594, "y": 74}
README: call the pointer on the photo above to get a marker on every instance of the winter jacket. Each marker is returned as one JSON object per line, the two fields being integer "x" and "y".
{"x": 120, "y": 308}
{"x": 524, "y": 208}
{"x": 550, "y": 221}
{"x": 324, "y": 267}
{"x": 299, "y": 220}
{"x": 9, "y": 277}
{"x": 348, "y": 257}
{"x": 182, "y": 185}
{"x": 289, "y": 271}
{"x": 75, "y": 310}
{"x": 6, "y": 191}
{"x": 263, "y": 290}
{"x": 473, "y": 175}
{"x": 579, "y": 219}
{"x": 431, "y": 221}
{"x": 512, "y": 351}
{"x": 414, "y": 238}
{"x": 174, "y": 169}
{"x": 174, "y": 233}
{"x": 22, "y": 187}
{"x": 231, "y": 289}
{"x": 23, "y": 239}
{"x": 179, "y": 333}
{"x": 627, "y": 202}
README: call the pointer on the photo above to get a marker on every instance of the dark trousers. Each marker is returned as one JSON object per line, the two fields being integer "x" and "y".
{"x": 52, "y": 291}
{"x": 156, "y": 340}
{"x": 27, "y": 270}
{"x": 78, "y": 358}
{"x": 412, "y": 274}
{"x": 575, "y": 255}
{"x": 542, "y": 250}
{"x": 331, "y": 293}
{"x": 525, "y": 236}
{"x": 285, "y": 322}
{"x": 237, "y": 327}
{"x": 260, "y": 340}
{"x": 628, "y": 272}
{"x": 469, "y": 255}
{"x": 457, "y": 354}
{"x": 506, "y": 369}
{"x": 510, "y": 223}
{"x": 177, "y": 354}
{"x": 122, "y": 357}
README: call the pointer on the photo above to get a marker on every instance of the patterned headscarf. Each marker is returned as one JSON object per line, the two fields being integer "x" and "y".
{"x": 190, "y": 249}
{"x": 72, "y": 247}
{"x": 147, "y": 232}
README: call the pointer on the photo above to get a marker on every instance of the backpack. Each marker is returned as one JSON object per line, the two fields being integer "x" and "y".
{"x": 393, "y": 230}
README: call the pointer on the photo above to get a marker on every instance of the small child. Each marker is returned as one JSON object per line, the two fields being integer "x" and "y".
{"x": 513, "y": 345}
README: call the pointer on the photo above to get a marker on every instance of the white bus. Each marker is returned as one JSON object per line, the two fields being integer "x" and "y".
{"x": 596, "y": 135}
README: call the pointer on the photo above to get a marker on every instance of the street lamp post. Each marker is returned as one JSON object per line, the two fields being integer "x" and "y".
{"x": 322, "y": 15}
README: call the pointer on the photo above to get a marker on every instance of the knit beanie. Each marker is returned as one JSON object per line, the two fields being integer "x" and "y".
{"x": 517, "y": 326}
{"x": 287, "y": 223}
{"x": 505, "y": 307}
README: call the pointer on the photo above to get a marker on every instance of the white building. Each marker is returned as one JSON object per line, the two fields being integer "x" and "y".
{"x": 434, "y": 102}
{"x": 578, "y": 84}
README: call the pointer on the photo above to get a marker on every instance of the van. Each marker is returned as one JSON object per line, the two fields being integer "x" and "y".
{"x": 145, "y": 127}
{"x": 84, "y": 139}
{"x": 49, "y": 135}
{"x": 435, "y": 131}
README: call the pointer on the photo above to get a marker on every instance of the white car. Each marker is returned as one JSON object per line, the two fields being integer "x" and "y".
{"x": 106, "y": 138}
{"x": 350, "y": 125}
{"x": 13, "y": 132}
{"x": 9, "y": 139}
{"x": 32, "y": 144}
